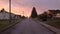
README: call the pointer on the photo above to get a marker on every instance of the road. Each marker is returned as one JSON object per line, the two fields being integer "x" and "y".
{"x": 28, "y": 26}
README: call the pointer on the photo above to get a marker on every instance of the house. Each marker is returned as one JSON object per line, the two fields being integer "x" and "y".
{"x": 55, "y": 13}
{"x": 58, "y": 15}
{"x": 6, "y": 15}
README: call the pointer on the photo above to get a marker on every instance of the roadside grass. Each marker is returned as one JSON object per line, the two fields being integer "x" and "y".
{"x": 53, "y": 22}
{"x": 5, "y": 23}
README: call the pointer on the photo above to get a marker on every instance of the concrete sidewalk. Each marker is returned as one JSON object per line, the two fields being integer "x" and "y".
{"x": 50, "y": 27}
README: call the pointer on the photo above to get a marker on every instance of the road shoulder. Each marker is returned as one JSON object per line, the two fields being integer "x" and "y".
{"x": 53, "y": 29}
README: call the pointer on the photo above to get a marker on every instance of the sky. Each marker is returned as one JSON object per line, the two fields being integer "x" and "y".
{"x": 25, "y": 6}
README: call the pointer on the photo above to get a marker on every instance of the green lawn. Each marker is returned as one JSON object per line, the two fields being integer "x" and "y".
{"x": 7, "y": 22}
{"x": 52, "y": 22}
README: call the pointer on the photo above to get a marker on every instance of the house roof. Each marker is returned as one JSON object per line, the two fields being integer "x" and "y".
{"x": 54, "y": 11}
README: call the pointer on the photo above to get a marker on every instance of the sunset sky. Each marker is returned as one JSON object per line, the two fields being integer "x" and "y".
{"x": 18, "y": 6}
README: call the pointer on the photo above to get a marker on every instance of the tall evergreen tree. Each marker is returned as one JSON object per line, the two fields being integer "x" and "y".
{"x": 34, "y": 13}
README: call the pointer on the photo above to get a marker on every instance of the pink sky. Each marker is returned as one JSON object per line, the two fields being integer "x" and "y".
{"x": 18, "y": 6}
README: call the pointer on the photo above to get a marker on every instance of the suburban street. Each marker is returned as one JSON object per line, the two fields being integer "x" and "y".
{"x": 28, "y": 26}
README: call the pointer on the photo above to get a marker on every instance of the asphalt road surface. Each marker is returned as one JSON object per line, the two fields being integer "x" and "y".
{"x": 28, "y": 26}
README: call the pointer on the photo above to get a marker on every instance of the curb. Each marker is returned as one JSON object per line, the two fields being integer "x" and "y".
{"x": 53, "y": 29}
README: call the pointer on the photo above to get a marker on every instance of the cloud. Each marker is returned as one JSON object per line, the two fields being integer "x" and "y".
{"x": 26, "y": 5}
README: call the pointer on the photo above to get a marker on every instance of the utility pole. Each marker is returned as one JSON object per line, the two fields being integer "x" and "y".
{"x": 23, "y": 13}
{"x": 10, "y": 9}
